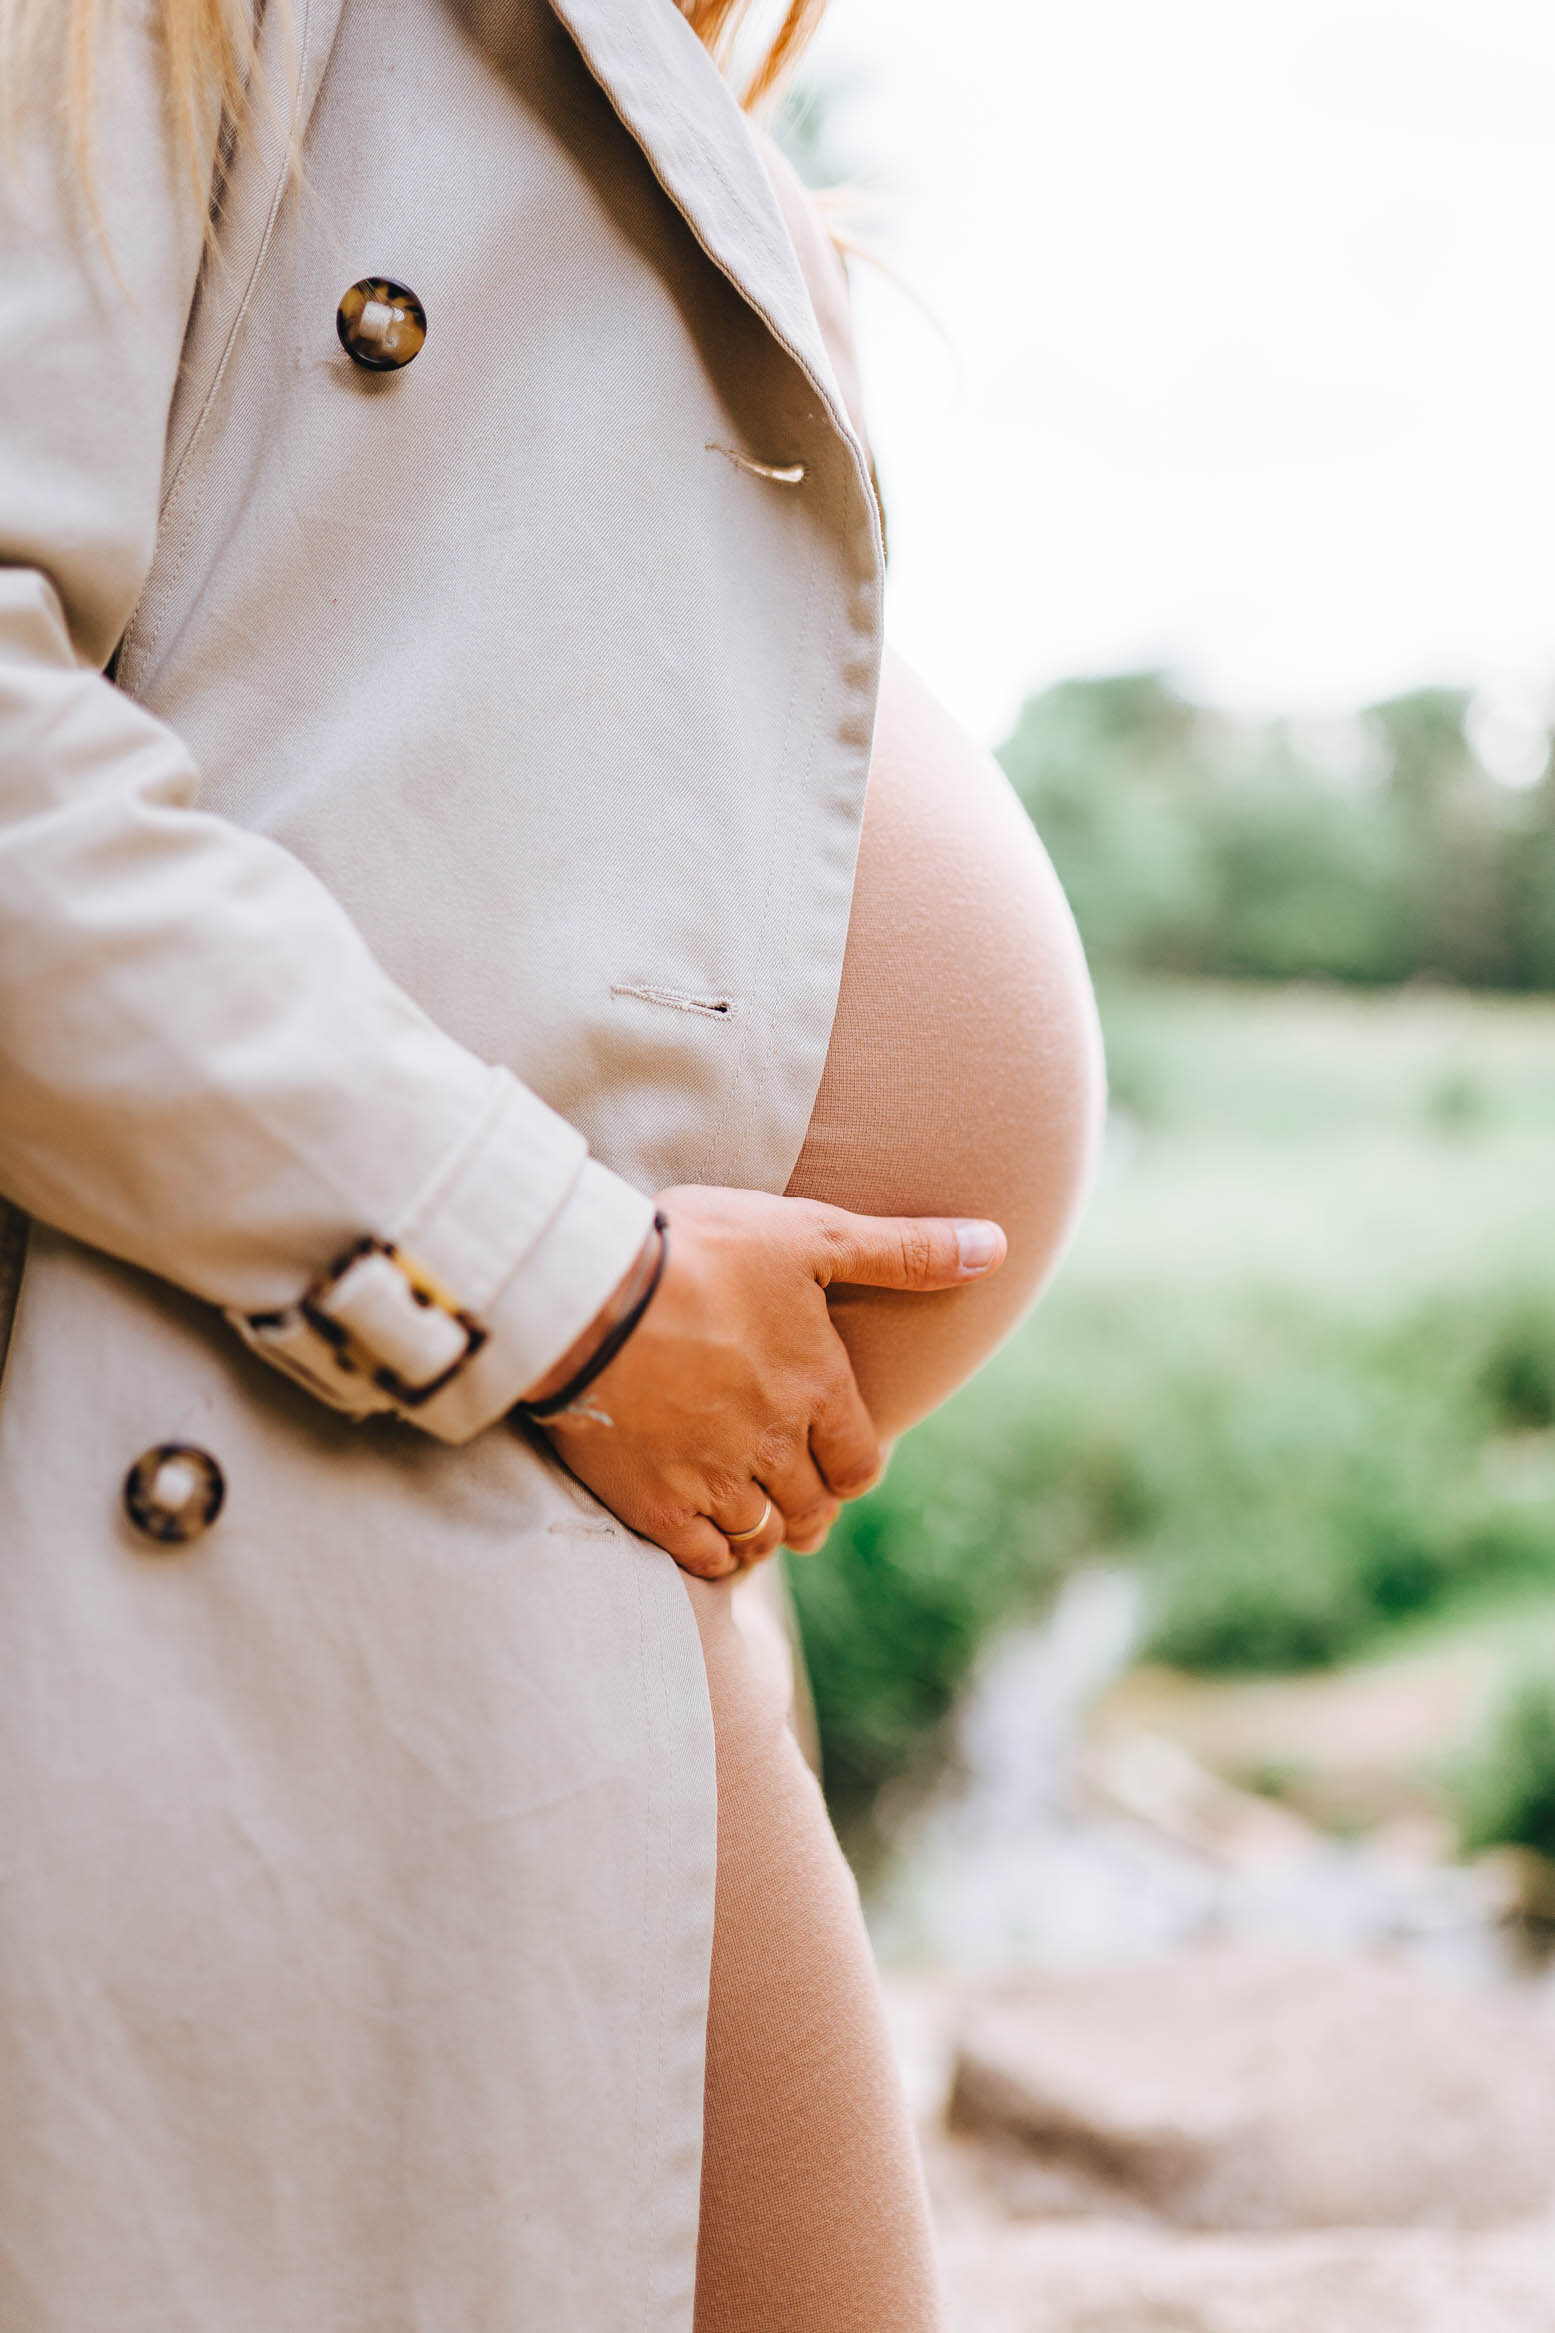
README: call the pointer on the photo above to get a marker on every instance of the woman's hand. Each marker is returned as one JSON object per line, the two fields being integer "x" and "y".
{"x": 735, "y": 1388}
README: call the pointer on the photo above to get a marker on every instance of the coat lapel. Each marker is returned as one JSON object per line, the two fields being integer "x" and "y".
{"x": 294, "y": 49}
{"x": 661, "y": 83}
{"x": 677, "y": 105}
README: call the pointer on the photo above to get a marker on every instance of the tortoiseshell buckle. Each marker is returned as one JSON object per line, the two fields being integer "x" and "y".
{"x": 374, "y": 1307}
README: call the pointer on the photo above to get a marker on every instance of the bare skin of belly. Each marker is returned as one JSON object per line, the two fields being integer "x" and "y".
{"x": 964, "y": 1078}
{"x": 964, "y": 1075}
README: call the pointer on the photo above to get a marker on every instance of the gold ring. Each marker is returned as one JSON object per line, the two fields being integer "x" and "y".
{"x": 756, "y": 1529}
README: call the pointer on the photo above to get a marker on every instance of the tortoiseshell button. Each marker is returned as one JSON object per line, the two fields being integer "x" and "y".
{"x": 381, "y": 324}
{"x": 173, "y": 1493}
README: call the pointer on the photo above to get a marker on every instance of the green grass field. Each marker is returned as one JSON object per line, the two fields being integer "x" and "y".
{"x": 1299, "y": 1367}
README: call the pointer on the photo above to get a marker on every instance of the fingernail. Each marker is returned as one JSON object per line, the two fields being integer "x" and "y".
{"x": 977, "y": 1245}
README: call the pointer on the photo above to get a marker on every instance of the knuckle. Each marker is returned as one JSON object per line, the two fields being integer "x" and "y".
{"x": 917, "y": 1248}
{"x": 851, "y": 1463}
{"x": 775, "y": 1447}
{"x": 835, "y": 1403}
{"x": 724, "y": 1490}
{"x": 836, "y": 1242}
{"x": 663, "y": 1520}
{"x": 854, "y": 1479}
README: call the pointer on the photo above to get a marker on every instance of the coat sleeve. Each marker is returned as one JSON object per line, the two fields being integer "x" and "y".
{"x": 202, "y": 1068}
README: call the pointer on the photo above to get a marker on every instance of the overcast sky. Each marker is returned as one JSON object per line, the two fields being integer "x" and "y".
{"x": 1244, "y": 351}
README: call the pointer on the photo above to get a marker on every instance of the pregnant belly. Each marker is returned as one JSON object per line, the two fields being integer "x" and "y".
{"x": 964, "y": 1074}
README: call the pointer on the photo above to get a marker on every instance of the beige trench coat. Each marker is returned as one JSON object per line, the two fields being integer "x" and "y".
{"x": 464, "y": 853}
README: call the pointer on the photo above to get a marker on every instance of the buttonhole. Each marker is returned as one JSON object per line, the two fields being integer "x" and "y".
{"x": 781, "y": 473}
{"x": 715, "y": 1007}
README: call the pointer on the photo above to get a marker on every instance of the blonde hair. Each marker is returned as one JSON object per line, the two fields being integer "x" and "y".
{"x": 718, "y": 24}
{"x": 52, "y": 53}
{"x": 54, "y": 47}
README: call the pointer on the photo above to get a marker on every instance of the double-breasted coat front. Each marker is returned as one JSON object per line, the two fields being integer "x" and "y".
{"x": 460, "y": 852}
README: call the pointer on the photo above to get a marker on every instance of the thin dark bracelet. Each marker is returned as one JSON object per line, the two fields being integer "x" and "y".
{"x": 609, "y": 1344}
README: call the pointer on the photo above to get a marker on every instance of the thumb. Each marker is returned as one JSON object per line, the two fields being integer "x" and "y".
{"x": 904, "y": 1251}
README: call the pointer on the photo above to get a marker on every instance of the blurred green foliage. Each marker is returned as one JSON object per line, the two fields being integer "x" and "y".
{"x": 1371, "y": 850}
{"x": 1300, "y": 1368}
{"x": 1506, "y": 1790}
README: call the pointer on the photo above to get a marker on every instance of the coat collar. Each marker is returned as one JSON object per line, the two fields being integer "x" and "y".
{"x": 670, "y": 95}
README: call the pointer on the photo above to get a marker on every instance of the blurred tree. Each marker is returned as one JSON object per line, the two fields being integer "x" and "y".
{"x": 1506, "y": 1791}
{"x": 1190, "y": 842}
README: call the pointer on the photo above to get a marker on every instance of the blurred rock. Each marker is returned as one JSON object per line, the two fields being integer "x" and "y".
{"x": 1103, "y": 2278}
{"x": 1243, "y": 2090}
{"x": 1156, "y": 1781}
{"x": 1348, "y": 1749}
{"x": 1174, "y": 1811}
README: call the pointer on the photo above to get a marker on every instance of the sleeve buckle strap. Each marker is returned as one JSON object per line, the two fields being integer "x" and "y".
{"x": 385, "y": 1318}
